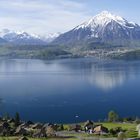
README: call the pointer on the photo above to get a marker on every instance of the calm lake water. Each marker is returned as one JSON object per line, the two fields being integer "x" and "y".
{"x": 69, "y": 90}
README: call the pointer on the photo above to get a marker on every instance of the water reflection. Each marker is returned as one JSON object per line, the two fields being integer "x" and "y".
{"x": 105, "y": 75}
{"x": 108, "y": 77}
{"x": 107, "y": 81}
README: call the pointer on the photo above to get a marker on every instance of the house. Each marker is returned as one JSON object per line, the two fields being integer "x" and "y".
{"x": 88, "y": 126}
{"x": 21, "y": 131}
{"x": 40, "y": 133}
{"x": 75, "y": 127}
{"x": 100, "y": 129}
{"x": 29, "y": 123}
{"x": 37, "y": 126}
{"x": 11, "y": 121}
{"x": 54, "y": 126}
{"x": 51, "y": 131}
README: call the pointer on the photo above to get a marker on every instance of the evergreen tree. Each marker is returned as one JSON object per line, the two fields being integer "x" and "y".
{"x": 17, "y": 119}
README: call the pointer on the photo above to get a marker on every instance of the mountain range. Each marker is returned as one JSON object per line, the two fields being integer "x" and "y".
{"x": 104, "y": 36}
{"x": 24, "y": 38}
{"x": 104, "y": 28}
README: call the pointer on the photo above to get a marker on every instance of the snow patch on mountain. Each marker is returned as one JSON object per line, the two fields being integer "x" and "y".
{"x": 98, "y": 24}
{"x": 102, "y": 19}
{"x": 50, "y": 37}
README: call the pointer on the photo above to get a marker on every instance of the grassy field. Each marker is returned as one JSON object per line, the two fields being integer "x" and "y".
{"x": 130, "y": 129}
{"x": 128, "y": 126}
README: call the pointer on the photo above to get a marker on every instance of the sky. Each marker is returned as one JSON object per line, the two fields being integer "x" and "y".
{"x": 50, "y": 16}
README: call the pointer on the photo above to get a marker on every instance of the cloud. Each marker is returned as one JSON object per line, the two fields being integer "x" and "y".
{"x": 42, "y": 16}
{"x": 48, "y": 16}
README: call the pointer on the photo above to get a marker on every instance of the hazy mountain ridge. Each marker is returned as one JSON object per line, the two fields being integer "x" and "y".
{"x": 24, "y": 38}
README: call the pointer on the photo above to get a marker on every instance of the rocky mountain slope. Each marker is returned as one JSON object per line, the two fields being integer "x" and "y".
{"x": 103, "y": 28}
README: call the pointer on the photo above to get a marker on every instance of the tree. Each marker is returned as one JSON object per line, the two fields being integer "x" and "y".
{"x": 17, "y": 119}
{"x": 113, "y": 116}
{"x": 6, "y": 116}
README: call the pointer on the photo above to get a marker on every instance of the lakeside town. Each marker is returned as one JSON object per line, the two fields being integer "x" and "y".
{"x": 113, "y": 128}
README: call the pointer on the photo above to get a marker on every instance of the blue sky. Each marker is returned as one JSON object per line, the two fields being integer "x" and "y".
{"x": 49, "y": 16}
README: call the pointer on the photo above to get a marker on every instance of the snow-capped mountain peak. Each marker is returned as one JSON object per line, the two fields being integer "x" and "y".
{"x": 102, "y": 19}
{"x": 105, "y": 17}
{"x": 20, "y": 37}
{"x": 23, "y": 37}
{"x": 104, "y": 28}
{"x": 5, "y": 32}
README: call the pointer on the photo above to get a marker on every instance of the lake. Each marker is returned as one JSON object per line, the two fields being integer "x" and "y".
{"x": 69, "y": 90}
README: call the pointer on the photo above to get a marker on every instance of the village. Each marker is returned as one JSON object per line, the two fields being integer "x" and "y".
{"x": 14, "y": 128}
